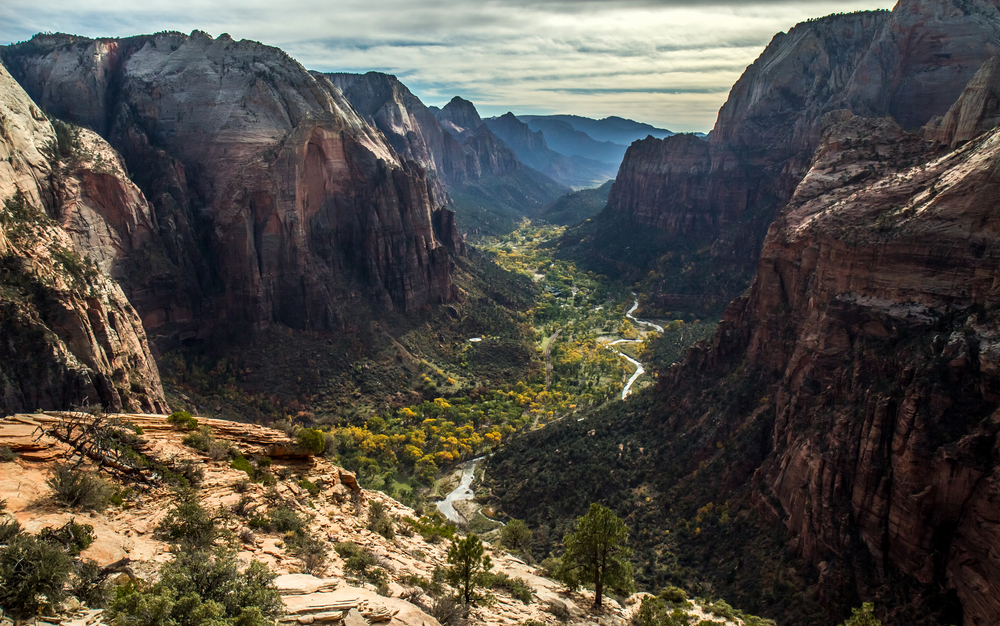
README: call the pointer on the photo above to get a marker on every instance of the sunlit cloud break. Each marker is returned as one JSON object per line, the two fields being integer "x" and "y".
{"x": 665, "y": 62}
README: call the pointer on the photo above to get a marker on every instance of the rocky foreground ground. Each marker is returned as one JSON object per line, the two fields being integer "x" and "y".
{"x": 327, "y": 595}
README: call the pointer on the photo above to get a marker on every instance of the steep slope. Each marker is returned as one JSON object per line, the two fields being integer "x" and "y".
{"x": 468, "y": 167}
{"x": 327, "y": 521}
{"x": 276, "y": 203}
{"x": 850, "y": 398}
{"x": 532, "y": 149}
{"x": 411, "y": 128}
{"x": 922, "y": 59}
{"x": 874, "y": 63}
{"x": 70, "y": 337}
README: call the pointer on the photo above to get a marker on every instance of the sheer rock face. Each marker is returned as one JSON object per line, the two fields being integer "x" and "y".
{"x": 410, "y": 127}
{"x": 977, "y": 110}
{"x": 70, "y": 335}
{"x": 911, "y": 64}
{"x": 673, "y": 172}
{"x": 275, "y": 201}
{"x": 923, "y": 58}
{"x": 874, "y": 311}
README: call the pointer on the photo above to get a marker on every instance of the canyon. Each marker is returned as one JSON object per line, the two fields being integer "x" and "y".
{"x": 848, "y": 396}
{"x": 836, "y": 441}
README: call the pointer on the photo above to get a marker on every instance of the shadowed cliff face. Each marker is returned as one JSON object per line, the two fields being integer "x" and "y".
{"x": 69, "y": 335}
{"x": 922, "y": 59}
{"x": 911, "y": 64}
{"x": 274, "y": 201}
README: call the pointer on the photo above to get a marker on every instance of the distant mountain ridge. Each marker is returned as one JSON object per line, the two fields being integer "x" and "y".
{"x": 531, "y": 147}
{"x": 563, "y": 138}
{"x": 470, "y": 168}
{"x": 612, "y": 129}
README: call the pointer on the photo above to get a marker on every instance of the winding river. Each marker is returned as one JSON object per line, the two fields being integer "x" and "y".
{"x": 460, "y": 493}
{"x": 639, "y": 369}
{"x": 464, "y": 492}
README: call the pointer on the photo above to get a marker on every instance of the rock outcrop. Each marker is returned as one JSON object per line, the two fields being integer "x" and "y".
{"x": 275, "y": 201}
{"x": 674, "y": 172}
{"x": 334, "y": 511}
{"x": 70, "y": 335}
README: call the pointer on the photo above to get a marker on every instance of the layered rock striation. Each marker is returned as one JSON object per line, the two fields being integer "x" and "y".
{"x": 70, "y": 336}
{"x": 876, "y": 318}
{"x": 275, "y": 201}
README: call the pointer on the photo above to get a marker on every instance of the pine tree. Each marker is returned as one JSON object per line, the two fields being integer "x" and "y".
{"x": 469, "y": 566}
{"x": 596, "y": 553}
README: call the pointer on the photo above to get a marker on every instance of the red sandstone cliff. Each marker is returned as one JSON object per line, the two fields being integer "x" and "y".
{"x": 275, "y": 201}
{"x": 911, "y": 64}
{"x": 69, "y": 335}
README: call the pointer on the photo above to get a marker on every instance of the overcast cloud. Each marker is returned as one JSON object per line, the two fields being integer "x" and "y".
{"x": 666, "y": 62}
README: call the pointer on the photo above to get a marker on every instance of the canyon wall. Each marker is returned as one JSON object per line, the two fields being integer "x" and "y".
{"x": 275, "y": 202}
{"x": 874, "y": 316}
{"x": 69, "y": 335}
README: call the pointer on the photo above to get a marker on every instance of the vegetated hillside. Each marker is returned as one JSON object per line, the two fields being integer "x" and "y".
{"x": 714, "y": 200}
{"x": 68, "y": 212}
{"x": 275, "y": 203}
{"x": 613, "y": 129}
{"x": 532, "y": 150}
{"x": 494, "y": 206}
{"x": 835, "y": 442}
{"x": 576, "y": 207}
{"x": 471, "y": 170}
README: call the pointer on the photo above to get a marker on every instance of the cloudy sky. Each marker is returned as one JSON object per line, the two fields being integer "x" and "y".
{"x": 667, "y": 62}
